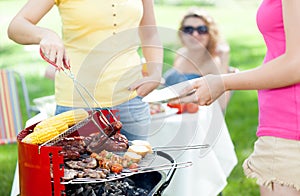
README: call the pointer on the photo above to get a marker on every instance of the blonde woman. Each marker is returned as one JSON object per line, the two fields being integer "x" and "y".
{"x": 203, "y": 51}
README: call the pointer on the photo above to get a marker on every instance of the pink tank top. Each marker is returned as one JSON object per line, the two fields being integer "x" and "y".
{"x": 279, "y": 109}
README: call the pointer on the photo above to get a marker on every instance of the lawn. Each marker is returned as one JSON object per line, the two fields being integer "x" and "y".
{"x": 237, "y": 21}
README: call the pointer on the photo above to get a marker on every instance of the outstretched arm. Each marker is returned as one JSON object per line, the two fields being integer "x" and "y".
{"x": 285, "y": 68}
{"x": 279, "y": 72}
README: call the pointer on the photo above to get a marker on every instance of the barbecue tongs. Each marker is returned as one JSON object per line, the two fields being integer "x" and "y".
{"x": 80, "y": 88}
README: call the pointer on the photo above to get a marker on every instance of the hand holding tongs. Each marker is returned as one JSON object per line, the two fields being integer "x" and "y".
{"x": 64, "y": 68}
{"x": 77, "y": 84}
{"x": 71, "y": 76}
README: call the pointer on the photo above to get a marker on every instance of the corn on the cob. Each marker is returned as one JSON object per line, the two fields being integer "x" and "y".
{"x": 73, "y": 116}
{"x": 41, "y": 136}
{"x": 51, "y": 127}
{"x": 64, "y": 120}
{"x": 59, "y": 124}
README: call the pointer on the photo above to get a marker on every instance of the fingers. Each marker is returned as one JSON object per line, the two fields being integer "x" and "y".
{"x": 193, "y": 98}
{"x": 145, "y": 89}
{"x": 53, "y": 57}
{"x": 191, "y": 87}
{"x": 66, "y": 61}
{"x": 54, "y": 51}
{"x": 144, "y": 86}
{"x": 146, "y": 81}
{"x": 45, "y": 50}
{"x": 201, "y": 96}
{"x": 58, "y": 58}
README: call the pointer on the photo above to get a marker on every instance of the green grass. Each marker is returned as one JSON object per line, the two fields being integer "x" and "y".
{"x": 237, "y": 22}
{"x": 8, "y": 160}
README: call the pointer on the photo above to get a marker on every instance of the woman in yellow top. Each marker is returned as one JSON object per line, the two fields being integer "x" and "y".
{"x": 100, "y": 39}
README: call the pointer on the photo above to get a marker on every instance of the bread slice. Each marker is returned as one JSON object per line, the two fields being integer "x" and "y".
{"x": 143, "y": 143}
{"x": 138, "y": 149}
{"x": 132, "y": 156}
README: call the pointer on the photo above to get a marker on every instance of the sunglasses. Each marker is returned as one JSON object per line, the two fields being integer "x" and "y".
{"x": 203, "y": 29}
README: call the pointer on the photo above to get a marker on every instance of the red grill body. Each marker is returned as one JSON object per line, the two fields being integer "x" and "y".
{"x": 34, "y": 170}
{"x": 34, "y": 162}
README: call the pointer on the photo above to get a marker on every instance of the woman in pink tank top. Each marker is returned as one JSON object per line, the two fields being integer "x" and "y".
{"x": 275, "y": 162}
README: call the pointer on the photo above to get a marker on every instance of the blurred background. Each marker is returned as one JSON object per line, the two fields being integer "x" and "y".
{"x": 236, "y": 18}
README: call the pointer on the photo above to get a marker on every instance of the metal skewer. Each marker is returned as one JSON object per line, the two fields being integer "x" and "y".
{"x": 130, "y": 173}
{"x": 176, "y": 148}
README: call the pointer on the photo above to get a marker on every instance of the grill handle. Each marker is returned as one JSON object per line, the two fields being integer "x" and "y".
{"x": 170, "y": 174}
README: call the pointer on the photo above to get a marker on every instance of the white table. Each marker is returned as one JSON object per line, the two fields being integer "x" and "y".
{"x": 211, "y": 167}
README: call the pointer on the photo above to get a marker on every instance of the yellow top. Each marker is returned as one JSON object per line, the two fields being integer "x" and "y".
{"x": 101, "y": 40}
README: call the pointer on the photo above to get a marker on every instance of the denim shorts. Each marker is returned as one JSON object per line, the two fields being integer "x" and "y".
{"x": 134, "y": 115}
{"x": 274, "y": 160}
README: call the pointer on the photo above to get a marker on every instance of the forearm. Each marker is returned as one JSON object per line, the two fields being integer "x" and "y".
{"x": 280, "y": 72}
{"x": 224, "y": 60}
{"x": 24, "y": 32}
{"x": 153, "y": 53}
{"x": 151, "y": 43}
{"x": 154, "y": 61}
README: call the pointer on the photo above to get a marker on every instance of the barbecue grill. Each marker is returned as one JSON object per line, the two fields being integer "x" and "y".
{"x": 41, "y": 168}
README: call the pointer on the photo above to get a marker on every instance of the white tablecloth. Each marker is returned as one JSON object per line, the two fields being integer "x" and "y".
{"x": 211, "y": 167}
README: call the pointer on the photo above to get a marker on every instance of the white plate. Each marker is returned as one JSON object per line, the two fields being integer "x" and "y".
{"x": 167, "y": 93}
{"x": 168, "y": 112}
